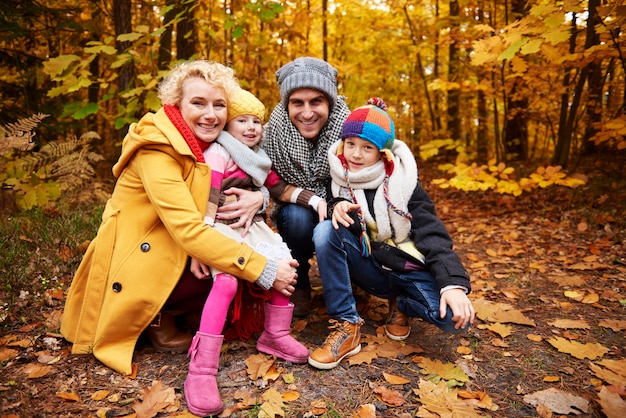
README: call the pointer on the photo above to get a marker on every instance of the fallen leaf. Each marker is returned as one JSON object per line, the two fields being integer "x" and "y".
{"x": 578, "y": 350}
{"x": 389, "y": 396}
{"x": 273, "y": 404}
{"x": 570, "y": 323}
{"x": 155, "y": 399}
{"x": 35, "y": 371}
{"x": 615, "y": 324}
{"x": 395, "y": 380}
{"x": 99, "y": 395}
{"x": 68, "y": 396}
{"x": 366, "y": 411}
{"x": 551, "y": 379}
{"x": 612, "y": 404}
{"x": 291, "y": 395}
{"x": 534, "y": 337}
{"x": 258, "y": 365}
{"x": 558, "y": 401}
{"x": 612, "y": 371}
{"x": 447, "y": 371}
{"x": 500, "y": 329}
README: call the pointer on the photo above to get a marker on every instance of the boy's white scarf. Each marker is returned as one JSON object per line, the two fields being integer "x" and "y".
{"x": 402, "y": 183}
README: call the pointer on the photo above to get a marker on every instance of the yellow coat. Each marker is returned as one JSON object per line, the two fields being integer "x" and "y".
{"x": 151, "y": 224}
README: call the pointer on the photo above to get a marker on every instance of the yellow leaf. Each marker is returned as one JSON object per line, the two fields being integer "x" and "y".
{"x": 464, "y": 350}
{"x": 99, "y": 395}
{"x": 570, "y": 323}
{"x": 447, "y": 371}
{"x": 35, "y": 371}
{"x": 534, "y": 337}
{"x": 578, "y": 350}
{"x": 502, "y": 330}
{"x": 366, "y": 411}
{"x": 395, "y": 380}
{"x": 291, "y": 395}
{"x": 68, "y": 396}
{"x": 551, "y": 379}
{"x": 573, "y": 294}
{"x": 591, "y": 298}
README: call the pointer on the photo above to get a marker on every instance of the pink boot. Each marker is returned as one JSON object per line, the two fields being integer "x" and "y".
{"x": 275, "y": 339}
{"x": 201, "y": 393}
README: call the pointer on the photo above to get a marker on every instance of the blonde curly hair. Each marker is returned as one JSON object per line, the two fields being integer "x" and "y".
{"x": 216, "y": 74}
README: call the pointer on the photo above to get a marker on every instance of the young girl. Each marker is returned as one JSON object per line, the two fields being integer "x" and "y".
{"x": 384, "y": 236}
{"x": 236, "y": 160}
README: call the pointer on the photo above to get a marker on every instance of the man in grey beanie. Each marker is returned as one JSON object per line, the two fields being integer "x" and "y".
{"x": 301, "y": 128}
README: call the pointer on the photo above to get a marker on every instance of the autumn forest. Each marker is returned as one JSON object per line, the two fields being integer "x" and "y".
{"x": 514, "y": 109}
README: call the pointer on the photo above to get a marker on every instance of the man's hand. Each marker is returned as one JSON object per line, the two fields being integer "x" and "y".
{"x": 247, "y": 205}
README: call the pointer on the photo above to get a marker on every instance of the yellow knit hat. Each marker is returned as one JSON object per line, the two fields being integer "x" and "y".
{"x": 245, "y": 103}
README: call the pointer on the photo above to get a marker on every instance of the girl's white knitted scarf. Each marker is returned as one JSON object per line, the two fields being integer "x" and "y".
{"x": 402, "y": 183}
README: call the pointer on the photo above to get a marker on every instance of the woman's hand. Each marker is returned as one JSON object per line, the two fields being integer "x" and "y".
{"x": 462, "y": 308}
{"x": 286, "y": 277}
{"x": 322, "y": 210}
{"x": 200, "y": 270}
{"x": 247, "y": 205}
{"x": 341, "y": 213}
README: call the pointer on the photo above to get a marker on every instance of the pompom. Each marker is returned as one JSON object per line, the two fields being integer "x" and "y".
{"x": 378, "y": 102}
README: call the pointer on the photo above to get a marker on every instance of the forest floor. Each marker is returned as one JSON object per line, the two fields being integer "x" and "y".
{"x": 549, "y": 286}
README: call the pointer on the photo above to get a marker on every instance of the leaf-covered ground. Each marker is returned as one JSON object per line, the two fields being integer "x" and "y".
{"x": 549, "y": 286}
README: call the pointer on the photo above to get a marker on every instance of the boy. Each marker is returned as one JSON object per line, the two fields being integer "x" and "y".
{"x": 384, "y": 236}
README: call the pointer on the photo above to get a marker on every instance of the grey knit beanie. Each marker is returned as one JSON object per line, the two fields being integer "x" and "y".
{"x": 307, "y": 72}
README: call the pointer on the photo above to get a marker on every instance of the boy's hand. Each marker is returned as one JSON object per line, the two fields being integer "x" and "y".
{"x": 341, "y": 214}
{"x": 322, "y": 210}
{"x": 460, "y": 305}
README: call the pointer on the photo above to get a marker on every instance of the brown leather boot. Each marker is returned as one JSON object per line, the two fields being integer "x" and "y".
{"x": 397, "y": 326}
{"x": 343, "y": 342}
{"x": 165, "y": 336}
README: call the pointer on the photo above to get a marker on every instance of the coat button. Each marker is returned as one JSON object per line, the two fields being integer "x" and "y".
{"x": 145, "y": 247}
{"x": 241, "y": 260}
{"x": 117, "y": 287}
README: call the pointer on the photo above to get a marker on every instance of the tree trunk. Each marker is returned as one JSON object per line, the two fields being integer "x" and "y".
{"x": 454, "y": 95}
{"x": 516, "y": 122}
{"x": 122, "y": 24}
{"x": 185, "y": 32}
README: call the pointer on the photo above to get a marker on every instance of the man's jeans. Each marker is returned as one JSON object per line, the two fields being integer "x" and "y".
{"x": 340, "y": 264}
{"x": 295, "y": 225}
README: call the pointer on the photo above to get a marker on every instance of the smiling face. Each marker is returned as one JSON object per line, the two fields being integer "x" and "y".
{"x": 308, "y": 111}
{"x": 204, "y": 108}
{"x": 247, "y": 129}
{"x": 360, "y": 153}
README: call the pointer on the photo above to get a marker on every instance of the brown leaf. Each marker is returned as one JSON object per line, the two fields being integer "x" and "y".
{"x": 558, "y": 401}
{"x": 155, "y": 399}
{"x": 68, "y": 396}
{"x": 612, "y": 404}
{"x": 35, "y": 370}
{"x": 389, "y": 397}
{"x": 258, "y": 365}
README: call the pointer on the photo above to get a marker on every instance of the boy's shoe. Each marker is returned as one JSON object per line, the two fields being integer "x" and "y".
{"x": 343, "y": 342}
{"x": 397, "y": 326}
